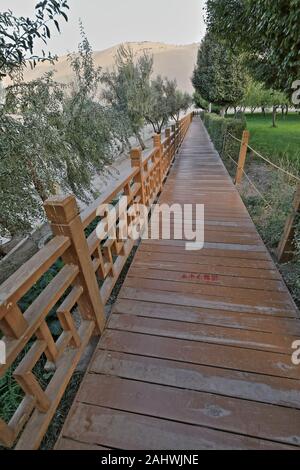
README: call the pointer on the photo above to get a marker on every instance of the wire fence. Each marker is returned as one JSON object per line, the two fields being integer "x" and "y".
{"x": 241, "y": 168}
{"x": 251, "y": 182}
{"x": 267, "y": 160}
{"x": 281, "y": 203}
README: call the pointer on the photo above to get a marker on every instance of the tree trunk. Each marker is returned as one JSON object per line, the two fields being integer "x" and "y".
{"x": 141, "y": 142}
{"x": 263, "y": 109}
{"x": 128, "y": 144}
{"x": 286, "y": 109}
{"x": 40, "y": 189}
{"x": 222, "y": 111}
{"x": 125, "y": 146}
{"x": 274, "y": 114}
{"x": 209, "y": 108}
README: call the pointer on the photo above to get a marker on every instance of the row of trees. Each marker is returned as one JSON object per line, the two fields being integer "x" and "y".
{"x": 137, "y": 98}
{"x": 219, "y": 75}
{"x": 60, "y": 136}
{"x": 257, "y": 96}
{"x": 248, "y": 57}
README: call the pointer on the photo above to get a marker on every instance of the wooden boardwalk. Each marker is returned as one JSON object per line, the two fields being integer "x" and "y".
{"x": 197, "y": 351}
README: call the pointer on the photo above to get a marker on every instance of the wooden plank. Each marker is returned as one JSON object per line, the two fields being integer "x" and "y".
{"x": 183, "y": 275}
{"x": 227, "y": 357}
{"x": 214, "y": 262}
{"x": 204, "y": 301}
{"x": 252, "y": 322}
{"x": 188, "y": 406}
{"x": 220, "y": 249}
{"x": 232, "y": 383}
{"x": 121, "y": 430}
{"x": 250, "y": 297}
{"x": 176, "y": 246}
{"x": 167, "y": 262}
{"x": 204, "y": 333}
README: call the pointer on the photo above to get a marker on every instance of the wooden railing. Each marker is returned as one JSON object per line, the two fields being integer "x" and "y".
{"x": 87, "y": 269}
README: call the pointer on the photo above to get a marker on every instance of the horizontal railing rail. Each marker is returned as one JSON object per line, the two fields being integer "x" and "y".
{"x": 70, "y": 279}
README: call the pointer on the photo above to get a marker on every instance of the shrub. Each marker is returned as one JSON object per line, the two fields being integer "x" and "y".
{"x": 218, "y": 128}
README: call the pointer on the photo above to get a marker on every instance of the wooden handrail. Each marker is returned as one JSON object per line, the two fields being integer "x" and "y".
{"x": 85, "y": 275}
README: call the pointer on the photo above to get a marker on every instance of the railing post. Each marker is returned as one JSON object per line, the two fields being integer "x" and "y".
{"x": 136, "y": 158}
{"x": 242, "y": 157}
{"x": 173, "y": 130}
{"x": 285, "y": 250}
{"x": 177, "y": 130}
{"x": 63, "y": 214}
{"x": 157, "y": 144}
{"x": 169, "y": 153}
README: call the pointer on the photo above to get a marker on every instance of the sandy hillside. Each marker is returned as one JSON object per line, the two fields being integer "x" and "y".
{"x": 169, "y": 60}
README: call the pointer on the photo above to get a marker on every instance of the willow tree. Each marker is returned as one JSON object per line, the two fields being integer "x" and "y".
{"x": 51, "y": 136}
{"x": 127, "y": 89}
{"x": 219, "y": 75}
{"x": 31, "y": 152}
{"x": 19, "y": 34}
{"x": 86, "y": 124}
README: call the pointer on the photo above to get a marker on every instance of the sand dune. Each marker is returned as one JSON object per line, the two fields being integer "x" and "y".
{"x": 171, "y": 61}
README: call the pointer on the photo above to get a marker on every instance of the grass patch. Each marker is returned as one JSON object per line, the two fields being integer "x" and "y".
{"x": 280, "y": 144}
{"x": 270, "y": 218}
{"x": 62, "y": 411}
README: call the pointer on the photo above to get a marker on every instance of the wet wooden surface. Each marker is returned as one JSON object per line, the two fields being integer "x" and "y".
{"x": 197, "y": 351}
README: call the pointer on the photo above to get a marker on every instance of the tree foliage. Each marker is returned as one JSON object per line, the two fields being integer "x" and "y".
{"x": 127, "y": 89}
{"x": 56, "y": 137}
{"x": 219, "y": 76}
{"x": 177, "y": 101}
{"x": 51, "y": 136}
{"x": 258, "y": 96}
{"x": 137, "y": 98}
{"x": 266, "y": 30}
{"x": 200, "y": 102}
{"x": 158, "y": 112}
{"x": 166, "y": 102}
{"x": 19, "y": 34}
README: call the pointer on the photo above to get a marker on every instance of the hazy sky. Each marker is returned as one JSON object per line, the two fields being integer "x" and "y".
{"x": 109, "y": 22}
